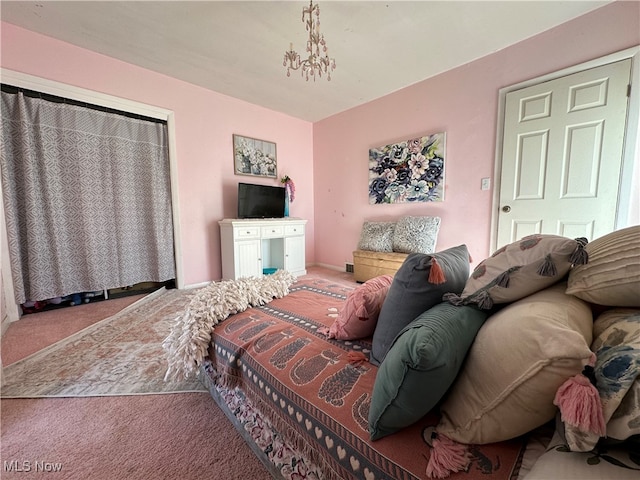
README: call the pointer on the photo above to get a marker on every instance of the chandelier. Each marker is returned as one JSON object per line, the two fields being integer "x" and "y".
{"x": 318, "y": 61}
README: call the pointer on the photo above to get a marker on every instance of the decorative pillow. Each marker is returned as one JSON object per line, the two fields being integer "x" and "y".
{"x": 520, "y": 269}
{"x": 417, "y": 286}
{"x": 359, "y": 314}
{"x": 416, "y": 234}
{"x": 377, "y": 236}
{"x": 617, "y": 374}
{"x": 519, "y": 358}
{"x": 611, "y": 461}
{"x": 421, "y": 365}
{"x": 612, "y": 276}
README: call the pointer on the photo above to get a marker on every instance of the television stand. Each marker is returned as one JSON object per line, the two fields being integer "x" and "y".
{"x": 254, "y": 247}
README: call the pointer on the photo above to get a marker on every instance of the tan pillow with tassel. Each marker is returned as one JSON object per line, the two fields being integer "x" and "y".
{"x": 520, "y": 269}
{"x": 519, "y": 359}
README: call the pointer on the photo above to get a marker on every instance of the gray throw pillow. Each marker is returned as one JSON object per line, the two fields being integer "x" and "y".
{"x": 412, "y": 293}
{"x": 421, "y": 365}
{"x": 377, "y": 236}
{"x": 416, "y": 234}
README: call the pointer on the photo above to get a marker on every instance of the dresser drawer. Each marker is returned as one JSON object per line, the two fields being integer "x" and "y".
{"x": 272, "y": 231}
{"x": 246, "y": 232}
{"x": 291, "y": 230}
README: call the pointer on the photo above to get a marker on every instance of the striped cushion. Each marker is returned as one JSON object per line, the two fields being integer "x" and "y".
{"x": 612, "y": 276}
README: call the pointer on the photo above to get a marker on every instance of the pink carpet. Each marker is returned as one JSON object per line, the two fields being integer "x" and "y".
{"x": 173, "y": 436}
{"x": 169, "y": 436}
{"x": 36, "y": 331}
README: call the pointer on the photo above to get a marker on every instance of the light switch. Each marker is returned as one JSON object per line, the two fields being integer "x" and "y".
{"x": 485, "y": 183}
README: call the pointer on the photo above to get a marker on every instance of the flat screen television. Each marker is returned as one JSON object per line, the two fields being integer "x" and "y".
{"x": 260, "y": 201}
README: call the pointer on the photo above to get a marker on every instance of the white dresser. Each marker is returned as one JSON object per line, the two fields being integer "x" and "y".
{"x": 249, "y": 246}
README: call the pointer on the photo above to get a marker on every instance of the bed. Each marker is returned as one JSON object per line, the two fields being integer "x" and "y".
{"x": 304, "y": 401}
{"x": 528, "y": 323}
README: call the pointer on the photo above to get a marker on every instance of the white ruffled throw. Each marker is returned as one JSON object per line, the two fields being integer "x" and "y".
{"x": 190, "y": 336}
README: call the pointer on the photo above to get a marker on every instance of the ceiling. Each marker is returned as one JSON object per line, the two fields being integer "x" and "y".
{"x": 237, "y": 47}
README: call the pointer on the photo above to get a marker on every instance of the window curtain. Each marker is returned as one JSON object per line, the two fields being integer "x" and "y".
{"x": 87, "y": 198}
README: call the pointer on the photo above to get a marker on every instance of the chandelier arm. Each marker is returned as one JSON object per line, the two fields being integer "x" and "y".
{"x": 318, "y": 61}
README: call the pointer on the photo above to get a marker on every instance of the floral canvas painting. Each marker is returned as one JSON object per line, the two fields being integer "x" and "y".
{"x": 409, "y": 171}
{"x": 254, "y": 157}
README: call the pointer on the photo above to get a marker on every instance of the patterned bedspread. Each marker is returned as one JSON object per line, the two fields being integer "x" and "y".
{"x": 317, "y": 395}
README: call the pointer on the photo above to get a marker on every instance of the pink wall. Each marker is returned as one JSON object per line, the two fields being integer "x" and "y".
{"x": 462, "y": 102}
{"x": 205, "y": 122}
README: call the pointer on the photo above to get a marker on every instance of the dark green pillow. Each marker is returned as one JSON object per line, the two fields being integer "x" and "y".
{"x": 421, "y": 365}
{"x": 414, "y": 290}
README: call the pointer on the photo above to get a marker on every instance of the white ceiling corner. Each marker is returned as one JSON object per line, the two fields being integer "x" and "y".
{"x": 237, "y": 47}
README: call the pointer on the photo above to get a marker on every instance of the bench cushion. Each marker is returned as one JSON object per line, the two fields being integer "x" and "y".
{"x": 416, "y": 234}
{"x": 377, "y": 236}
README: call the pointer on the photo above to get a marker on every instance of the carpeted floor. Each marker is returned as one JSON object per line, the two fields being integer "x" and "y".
{"x": 36, "y": 331}
{"x": 121, "y": 355}
{"x": 170, "y": 436}
{"x": 175, "y": 436}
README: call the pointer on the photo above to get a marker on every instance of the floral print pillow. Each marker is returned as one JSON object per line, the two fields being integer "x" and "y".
{"x": 617, "y": 371}
{"x": 377, "y": 236}
{"x": 606, "y": 461}
{"x": 416, "y": 235}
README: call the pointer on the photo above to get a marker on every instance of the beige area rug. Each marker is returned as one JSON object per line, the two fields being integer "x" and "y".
{"x": 120, "y": 355}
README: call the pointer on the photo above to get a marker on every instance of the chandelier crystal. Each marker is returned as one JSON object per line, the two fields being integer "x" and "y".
{"x": 318, "y": 62}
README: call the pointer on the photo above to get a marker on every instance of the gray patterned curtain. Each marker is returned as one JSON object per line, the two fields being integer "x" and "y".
{"x": 87, "y": 198}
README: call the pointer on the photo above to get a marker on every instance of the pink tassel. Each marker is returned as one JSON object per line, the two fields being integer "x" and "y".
{"x": 579, "y": 403}
{"x": 436, "y": 275}
{"x": 361, "y": 312}
{"x": 447, "y": 456}
{"x": 357, "y": 358}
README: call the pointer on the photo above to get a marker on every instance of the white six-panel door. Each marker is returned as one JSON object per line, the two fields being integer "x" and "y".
{"x": 562, "y": 154}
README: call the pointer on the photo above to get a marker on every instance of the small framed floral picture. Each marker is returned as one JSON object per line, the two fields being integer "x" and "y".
{"x": 409, "y": 171}
{"x": 254, "y": 157}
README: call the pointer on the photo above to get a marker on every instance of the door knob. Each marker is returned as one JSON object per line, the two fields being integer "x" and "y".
{"x": 506, "y": 209}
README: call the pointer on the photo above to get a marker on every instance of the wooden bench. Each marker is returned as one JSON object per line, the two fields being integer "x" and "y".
{"x": 369, "y": 264}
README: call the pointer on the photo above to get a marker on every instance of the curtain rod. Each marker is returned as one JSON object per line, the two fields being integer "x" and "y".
{"x": 12, "y": 89}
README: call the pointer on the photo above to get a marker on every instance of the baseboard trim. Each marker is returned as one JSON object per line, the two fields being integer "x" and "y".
{"x": 197, "y": 285}
{"x": 326, "y": 265}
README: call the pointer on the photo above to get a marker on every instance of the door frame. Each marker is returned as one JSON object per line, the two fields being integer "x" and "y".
{"x": 631, "y": 147}
{"x": 31, "y": 82}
